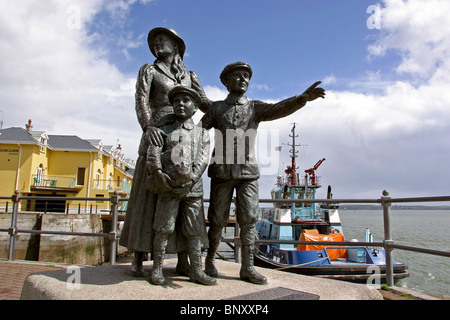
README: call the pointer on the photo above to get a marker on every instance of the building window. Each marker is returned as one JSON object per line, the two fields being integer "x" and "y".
{"x": 97, "y": 179}
{"x": 110, "y": 181}
{"x": 99, "y": 196}
{"x": 80, "y": 176}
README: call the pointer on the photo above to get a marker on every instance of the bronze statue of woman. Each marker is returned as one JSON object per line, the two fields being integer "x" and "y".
{"x": 153, "y": 110}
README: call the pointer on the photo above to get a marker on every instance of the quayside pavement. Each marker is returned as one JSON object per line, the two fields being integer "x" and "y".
{"x": 49, "y": 281}
{"x": 14, "y": 273}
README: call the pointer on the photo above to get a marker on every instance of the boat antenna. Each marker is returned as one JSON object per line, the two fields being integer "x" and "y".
{"x": 293, "y": 152}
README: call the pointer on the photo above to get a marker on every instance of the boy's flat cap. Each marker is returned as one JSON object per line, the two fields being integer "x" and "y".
{"x": 231, "y": 67}
{"x": 183, "y": 89}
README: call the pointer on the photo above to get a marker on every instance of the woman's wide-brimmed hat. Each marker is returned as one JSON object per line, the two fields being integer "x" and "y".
{"x": 231, "y": 67}
{"x": 172, "y": 33}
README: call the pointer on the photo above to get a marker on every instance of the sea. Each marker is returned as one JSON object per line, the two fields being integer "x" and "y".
{"x": 428, "y": 229}
{"x": 418, "y": 228}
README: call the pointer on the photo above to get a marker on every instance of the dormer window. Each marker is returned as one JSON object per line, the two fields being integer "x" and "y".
{"x": 42, "y": 143}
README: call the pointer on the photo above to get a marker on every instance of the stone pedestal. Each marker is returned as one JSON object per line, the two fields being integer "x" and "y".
{"x": 117, "y": 283}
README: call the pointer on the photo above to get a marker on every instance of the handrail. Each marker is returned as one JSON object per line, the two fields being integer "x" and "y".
{"x": 112, "y": 235}
{"x": 52, "y": 181}
{"x": 385, "y": 201}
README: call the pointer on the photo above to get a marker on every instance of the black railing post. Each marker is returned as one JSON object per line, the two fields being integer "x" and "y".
{"x": 237, "y": 243}
{"x": 113, "y": 232}
{"x": 386, "y": 203}
{"x": 12, "y": 230}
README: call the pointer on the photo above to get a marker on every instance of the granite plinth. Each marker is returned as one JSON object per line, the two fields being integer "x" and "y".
{"x": 117, "y": 283}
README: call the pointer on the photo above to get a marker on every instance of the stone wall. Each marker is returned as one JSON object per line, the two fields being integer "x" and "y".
{"x": 81, "y": 250}
{"x": 72, "y": 249}
{"x": 26, "y": 244}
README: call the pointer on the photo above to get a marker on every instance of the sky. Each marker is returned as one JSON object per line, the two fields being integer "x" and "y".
{"x": 71, "y": 67}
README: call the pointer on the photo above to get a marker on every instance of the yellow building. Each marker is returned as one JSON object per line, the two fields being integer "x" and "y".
{"x": 39, "y": 164}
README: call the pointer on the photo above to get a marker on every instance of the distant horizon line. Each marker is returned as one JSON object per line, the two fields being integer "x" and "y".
{"x": 394, "y": 207}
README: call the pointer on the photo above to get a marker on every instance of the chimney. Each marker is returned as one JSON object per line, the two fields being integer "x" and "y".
{"x": 29, "y": 126}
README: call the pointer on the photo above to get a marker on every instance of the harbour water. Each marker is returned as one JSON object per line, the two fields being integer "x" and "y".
{"x": 419, "y": 228}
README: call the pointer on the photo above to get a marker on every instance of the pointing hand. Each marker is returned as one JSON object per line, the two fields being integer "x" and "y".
{"x": 312, "y": 93}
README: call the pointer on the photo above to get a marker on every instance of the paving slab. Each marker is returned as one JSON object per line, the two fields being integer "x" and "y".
{"x": 14, "y": 273}
{"x": 117, "y": 283}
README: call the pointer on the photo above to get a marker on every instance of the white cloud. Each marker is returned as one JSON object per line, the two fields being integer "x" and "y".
{"x": 215, "y": 93}
{"x": 259, "y": 87}
{"x": 119, "y": 9}
{"x": 329, "y": 79}
{"x": 396, "y": 139}
{"x": 417, "y": 29}
{"x": 53, "y": 77}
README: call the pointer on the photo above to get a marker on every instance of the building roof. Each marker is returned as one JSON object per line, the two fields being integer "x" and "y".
{"x": 73, "y": 143}
{"x": 55, "y": 142}
{"x": 16, "y": 134}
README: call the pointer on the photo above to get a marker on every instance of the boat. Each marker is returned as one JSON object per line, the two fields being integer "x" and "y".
{"x": 289, "y": 221}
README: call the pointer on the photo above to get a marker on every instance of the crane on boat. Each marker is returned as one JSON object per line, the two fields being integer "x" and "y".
{"x": 312, "y": 171}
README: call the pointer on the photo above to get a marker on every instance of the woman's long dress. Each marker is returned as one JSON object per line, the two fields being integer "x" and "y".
{"x": 153, "y": 109}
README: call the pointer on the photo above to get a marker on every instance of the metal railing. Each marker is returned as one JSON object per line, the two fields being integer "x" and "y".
{"x": 110, "y": 185}
{"x": 112, "y": 235}
{"x": 385, "y": 201}
{"x": 53, "y": 181}
{"x": 388, "y": 244}
{"x": 301, "y": 181}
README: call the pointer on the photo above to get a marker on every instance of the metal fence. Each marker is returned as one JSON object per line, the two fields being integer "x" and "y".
{"x": 112, "y": 235}
{"x": 385, "y": 201}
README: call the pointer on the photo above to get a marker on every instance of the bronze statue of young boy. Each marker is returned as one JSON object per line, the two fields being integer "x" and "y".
{"x": 233, "y": 164}
{"x": 176, "y": 170}
{"x": 154, "y": 82}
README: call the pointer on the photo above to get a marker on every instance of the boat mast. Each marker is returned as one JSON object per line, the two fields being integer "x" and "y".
{"x": 293, "y": 154}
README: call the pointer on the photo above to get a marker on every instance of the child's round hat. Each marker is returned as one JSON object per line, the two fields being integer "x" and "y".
{"x": 182, "y": 89}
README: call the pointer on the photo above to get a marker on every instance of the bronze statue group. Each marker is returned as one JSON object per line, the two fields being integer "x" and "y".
{"x": 165, "y": 210}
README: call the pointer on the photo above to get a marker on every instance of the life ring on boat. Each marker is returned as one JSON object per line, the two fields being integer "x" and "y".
{"x": 335, "y": 230}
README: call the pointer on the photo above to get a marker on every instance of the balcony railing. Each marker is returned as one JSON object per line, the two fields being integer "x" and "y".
{"x": 110, "y": 185}
{"x": 52, "y": 181}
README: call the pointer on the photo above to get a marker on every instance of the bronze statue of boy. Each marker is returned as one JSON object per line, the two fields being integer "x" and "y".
{"x": 154, "y": 82}
{"x": 176, "y": 170}
{"x": 233, "y": 164}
